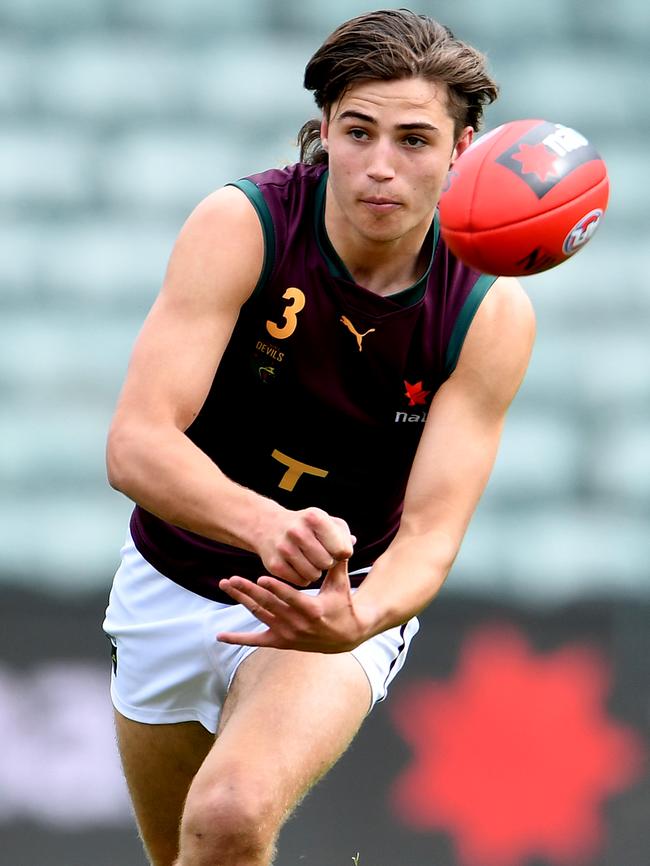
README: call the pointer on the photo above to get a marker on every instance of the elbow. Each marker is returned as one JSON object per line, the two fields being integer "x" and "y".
{"x": 119, "y": 448}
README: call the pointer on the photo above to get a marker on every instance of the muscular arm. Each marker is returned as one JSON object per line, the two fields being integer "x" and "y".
{"x": 454, "y": 459}
{"x": 214, "y": 268}
{"x": 451, "y": 468}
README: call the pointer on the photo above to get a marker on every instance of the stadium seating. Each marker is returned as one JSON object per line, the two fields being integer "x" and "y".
{"x": 117, "y": 118}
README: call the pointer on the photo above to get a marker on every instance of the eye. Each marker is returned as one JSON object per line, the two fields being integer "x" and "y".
{"x": 414, "y": 141}
{"x": 358, "y": 134}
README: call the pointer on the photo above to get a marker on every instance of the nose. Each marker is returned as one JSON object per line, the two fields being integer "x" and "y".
{"x": 381, "y": 165}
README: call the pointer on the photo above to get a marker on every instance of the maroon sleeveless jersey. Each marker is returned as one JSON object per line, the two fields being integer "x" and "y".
{"x": 322, "y": 393}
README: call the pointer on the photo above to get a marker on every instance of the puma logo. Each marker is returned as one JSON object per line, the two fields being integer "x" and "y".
{"x": 359, "y": 337}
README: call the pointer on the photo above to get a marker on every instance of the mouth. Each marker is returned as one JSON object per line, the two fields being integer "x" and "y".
{"x": 380, "y": 204}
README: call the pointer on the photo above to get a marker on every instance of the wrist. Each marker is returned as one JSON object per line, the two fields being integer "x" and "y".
{"x": 242, "y": 518}
{"x": 370, "y": 617}
{"x": 264, "y": 515}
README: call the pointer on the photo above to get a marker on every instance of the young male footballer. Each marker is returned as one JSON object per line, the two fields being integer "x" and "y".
{"x": 310, "y": 415}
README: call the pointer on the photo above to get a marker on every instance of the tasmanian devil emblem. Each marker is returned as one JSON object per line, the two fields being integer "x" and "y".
{"x": 359, "y": 337}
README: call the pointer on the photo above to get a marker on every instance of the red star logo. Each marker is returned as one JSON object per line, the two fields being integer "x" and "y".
{"x": 416, "y": 394}
{"x": 536, "y": 159}
{"x": 515, "y": 754}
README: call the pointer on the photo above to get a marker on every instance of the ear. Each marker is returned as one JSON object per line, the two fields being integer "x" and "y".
{"x": 324, "y": 132}
{"x": 462, "y": 144}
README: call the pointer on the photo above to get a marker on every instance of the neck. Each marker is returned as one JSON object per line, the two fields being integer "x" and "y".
{"x": 382, "y": 266}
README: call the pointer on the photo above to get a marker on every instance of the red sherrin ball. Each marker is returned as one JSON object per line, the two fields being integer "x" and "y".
{"x": 523, "y": 198}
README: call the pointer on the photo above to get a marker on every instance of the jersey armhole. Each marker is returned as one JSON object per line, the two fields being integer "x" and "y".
{"x": 253, "y": 194}
{"x": 464, "y": 320}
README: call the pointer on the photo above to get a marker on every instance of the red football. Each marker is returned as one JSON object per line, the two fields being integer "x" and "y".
{"x": 523, "y": 198}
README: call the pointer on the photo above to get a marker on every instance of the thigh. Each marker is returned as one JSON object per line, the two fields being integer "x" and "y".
{"x": 168, "y": 666}
{"x": 288, "y": 717}
{"x": 159, "y": 764}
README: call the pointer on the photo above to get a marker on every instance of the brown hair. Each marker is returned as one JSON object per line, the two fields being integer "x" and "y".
{"x": 388, "y": 45}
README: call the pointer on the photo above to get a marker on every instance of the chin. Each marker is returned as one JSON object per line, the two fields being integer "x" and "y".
{"x": 386, "y": 232}
{"x": 387, "y": 227}
{"x": 384, "y": 237}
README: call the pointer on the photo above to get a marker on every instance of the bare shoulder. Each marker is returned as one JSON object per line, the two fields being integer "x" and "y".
{"x": 214, "y": 268}
{"x": 220, "y": 246}
{"x": 506, "y": 308}
{"x": 226, "y": 204}
{"x": 499, "y": 342}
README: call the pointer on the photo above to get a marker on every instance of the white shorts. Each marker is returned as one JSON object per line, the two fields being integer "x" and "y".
{"x": 167, "y": 663}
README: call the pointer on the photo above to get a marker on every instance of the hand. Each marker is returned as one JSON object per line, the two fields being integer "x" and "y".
{"x": 297, "y": 546}
{"x": 324, "y": 623}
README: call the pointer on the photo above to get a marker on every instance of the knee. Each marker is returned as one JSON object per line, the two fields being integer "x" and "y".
{"x": 229, "y": 822}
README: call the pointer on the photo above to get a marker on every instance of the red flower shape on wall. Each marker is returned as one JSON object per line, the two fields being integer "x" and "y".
{"x": 514, "y": 755}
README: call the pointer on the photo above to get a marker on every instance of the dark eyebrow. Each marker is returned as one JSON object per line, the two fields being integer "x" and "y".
{"x": 359, "y": 115}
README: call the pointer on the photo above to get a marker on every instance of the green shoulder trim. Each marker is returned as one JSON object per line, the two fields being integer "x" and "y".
{"x": 253, "y": 194}
{"x": 464, "y": 320}
{"x": 413, "y": 294}
{"x": 334, "y": 263}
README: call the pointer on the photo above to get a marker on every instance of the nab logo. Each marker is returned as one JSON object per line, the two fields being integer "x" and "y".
{"x": 581, "y": 232}
{"x": 416, "y": 396}
{"x": 546, "y": 154}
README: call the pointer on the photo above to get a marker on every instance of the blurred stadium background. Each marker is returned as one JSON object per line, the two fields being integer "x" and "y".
{"x": 117, "y": 118}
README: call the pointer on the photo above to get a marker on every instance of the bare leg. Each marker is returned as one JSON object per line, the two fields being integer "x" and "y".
{"x": 159, "y": 763}
{"x": 287, "y": 719}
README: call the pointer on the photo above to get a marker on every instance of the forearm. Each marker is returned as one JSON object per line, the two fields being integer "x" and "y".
{"x": 163, "y": 471}
{"x": 405, "y": 579}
